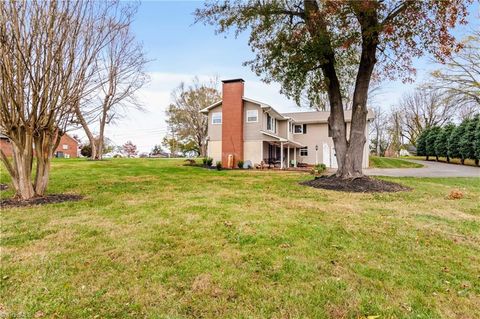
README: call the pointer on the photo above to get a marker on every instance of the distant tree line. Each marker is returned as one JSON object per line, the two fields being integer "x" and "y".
{"x": 452, "y": 141}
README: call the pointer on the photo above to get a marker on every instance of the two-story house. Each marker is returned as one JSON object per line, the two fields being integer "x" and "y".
{"x": 240, "y": 128}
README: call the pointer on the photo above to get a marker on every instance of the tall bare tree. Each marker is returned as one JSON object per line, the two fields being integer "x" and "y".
{"x": 378, "y": 131}
{"x": 46, "y": 55}
{"x": 183, "y": 115}
{"x": 424, "y": 108}
{"x": 121, "y": 73}
{"x": 459, "y": 78}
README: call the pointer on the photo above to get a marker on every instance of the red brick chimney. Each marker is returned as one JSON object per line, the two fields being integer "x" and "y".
{"x": 232, "y": 122}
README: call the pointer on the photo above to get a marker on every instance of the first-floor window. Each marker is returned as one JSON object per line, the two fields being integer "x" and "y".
{"x": 217, "y": 118}
{"x": 304, "y": 151}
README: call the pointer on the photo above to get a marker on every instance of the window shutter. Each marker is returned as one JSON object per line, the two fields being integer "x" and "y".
{"x": 304, "y": 128}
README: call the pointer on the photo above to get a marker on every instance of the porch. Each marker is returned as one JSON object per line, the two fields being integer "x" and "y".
{"x": 282, "y": 154}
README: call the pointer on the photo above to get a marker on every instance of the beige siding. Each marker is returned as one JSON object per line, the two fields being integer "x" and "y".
{"x": 251, "y": 131}
{"x": 214, "y": 130}
{"x": 214, "y": 150}
{"x": 252, "y": 151}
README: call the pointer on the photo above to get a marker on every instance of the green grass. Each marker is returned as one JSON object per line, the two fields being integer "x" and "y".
{"x": 389, "y": 162}
{"x": 155, "y": 239}
{"x": 457, "y": 161}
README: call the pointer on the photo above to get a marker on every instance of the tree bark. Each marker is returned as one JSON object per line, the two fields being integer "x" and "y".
{"x": 21, "y": 167}
{"x": 88, "y": 132}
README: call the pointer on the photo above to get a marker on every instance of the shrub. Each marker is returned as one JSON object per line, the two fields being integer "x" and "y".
{"x": 240, "y": 164}
{"x": 454, "y": 142}
{"x": 430, "y": 141}
{"x": 219, "y": 165}
{"x": 467, "y": 143}
{"x": 441, "y": 143}
{"x": 422, "y": 143}
{"x": 207, "y": 161}
{"x": 318, "y": 169}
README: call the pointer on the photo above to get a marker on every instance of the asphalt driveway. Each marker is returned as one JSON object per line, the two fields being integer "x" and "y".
{"x": 429, "y": 169}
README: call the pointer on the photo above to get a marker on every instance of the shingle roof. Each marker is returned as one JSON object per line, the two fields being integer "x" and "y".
{"x": 320, "y": 116}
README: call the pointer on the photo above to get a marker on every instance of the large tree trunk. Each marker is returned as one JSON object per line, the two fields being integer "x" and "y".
{"x": 349, "y": 152}
{"x": 20, "y": 169}
{"x": 352, "y": 160}
{"x": 45, "y": 145}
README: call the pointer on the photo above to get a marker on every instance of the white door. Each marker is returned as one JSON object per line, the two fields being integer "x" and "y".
{"x": 333, "y": 158}
{"x": 326, "y": 155}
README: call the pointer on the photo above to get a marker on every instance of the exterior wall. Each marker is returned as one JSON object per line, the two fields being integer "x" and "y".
{"x": 253, "y": 151}
{"x": 67, "y": 145}
{"x": 214, "y": 131}
{"x": 317, "y": 135}
{"x": 6, "y": 147}
{"x": 214, "y": 150}
{"x": 232, "y": 121}
{"x": 252, "y": 130}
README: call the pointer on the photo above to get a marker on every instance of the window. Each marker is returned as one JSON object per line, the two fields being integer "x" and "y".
{"x": 269, "y": 122}
{"x": 298, "y": 129}
{"x": 304, "y": 151}
{"x": 252, "y": 116}
{"x": 65, "y": 146}
{"x": 217, "y": 118}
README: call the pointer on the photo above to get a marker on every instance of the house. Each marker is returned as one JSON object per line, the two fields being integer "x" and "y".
{"x": 240, "y": 128}
{"x": 68, "y": 146}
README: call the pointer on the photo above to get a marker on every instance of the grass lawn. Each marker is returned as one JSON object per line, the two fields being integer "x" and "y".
{"x": 468, "y": 162}
{"x": 389, "y": 162}
{"x": 155, "y": 239}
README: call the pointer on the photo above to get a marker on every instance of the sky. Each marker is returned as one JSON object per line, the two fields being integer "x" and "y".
{"x": 180, "y": 49}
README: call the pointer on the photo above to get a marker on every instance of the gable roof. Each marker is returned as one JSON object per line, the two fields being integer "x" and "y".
{"x": 299, "y": 117}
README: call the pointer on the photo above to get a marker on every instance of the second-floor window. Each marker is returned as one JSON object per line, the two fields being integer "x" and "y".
{"x": 300, "y": 128}
{"x": 271, "y": 123}
{"x": 252, "y": 116}
{"x": 65, "y": 146}
{"x": 217, "y": 118}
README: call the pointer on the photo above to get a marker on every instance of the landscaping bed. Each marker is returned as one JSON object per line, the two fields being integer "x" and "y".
{"x": 363, "y": 184}
{"x": 48, "y": 199}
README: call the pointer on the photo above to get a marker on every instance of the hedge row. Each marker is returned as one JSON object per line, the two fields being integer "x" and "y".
{"x": 452, "y": 141}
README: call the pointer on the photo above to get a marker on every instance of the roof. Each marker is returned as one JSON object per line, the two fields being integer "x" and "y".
{"x": 321, "y": 116}
{"x": 299, "y": 117}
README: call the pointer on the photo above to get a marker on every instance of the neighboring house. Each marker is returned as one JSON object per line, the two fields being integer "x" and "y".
{"x": 68, "y": 146}
{"x": 240, "y": 128}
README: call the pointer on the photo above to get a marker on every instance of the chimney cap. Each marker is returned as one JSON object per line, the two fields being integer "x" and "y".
{"x": 233, "y": 80}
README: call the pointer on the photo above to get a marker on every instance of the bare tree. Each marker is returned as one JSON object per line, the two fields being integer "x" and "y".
{"x": 459, "y": 78}
{"x": 184, "y": 119}
{"x": 424, "y": 109}
{"x": 113, "y": 88}
{"x": 46, "y": 55}
{"x": 378, "y": 131}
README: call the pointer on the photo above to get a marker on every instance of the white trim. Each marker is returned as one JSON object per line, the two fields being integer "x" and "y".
{"x": 305, "y": 148}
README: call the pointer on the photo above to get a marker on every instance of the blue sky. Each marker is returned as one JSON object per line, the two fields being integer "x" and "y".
{"x": 180, "y": 50}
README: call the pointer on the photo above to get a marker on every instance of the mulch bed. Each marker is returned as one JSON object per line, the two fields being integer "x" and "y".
{"x": 358, "y": 185}
{"x": 48, "y": 199}
{"x": 3, "y": 187}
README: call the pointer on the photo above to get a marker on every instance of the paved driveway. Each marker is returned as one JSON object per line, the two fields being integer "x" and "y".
{"x": 429, "y": 169}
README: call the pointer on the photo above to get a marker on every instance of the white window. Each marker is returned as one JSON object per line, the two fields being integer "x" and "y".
{"x": 298, "y": 129}
{"x": 252, "y": 116}
{"x": 217, "y": 118}
{"x": 65, "y": 146}
{"x": 304, "y": 151}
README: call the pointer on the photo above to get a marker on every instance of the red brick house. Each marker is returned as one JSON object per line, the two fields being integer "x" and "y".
{"x": 68, "y": 146}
